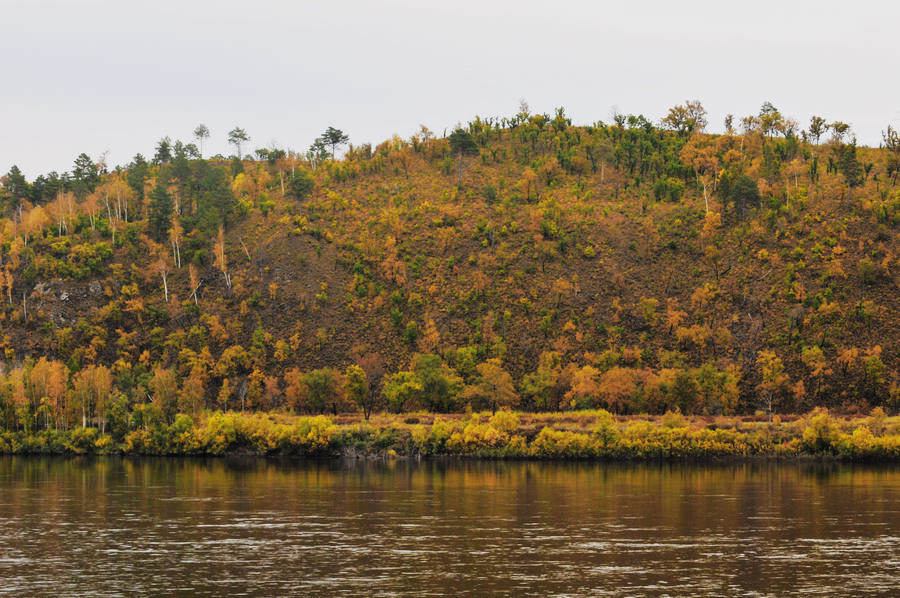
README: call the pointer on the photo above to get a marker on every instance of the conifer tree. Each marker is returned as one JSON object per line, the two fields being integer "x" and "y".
{"x": 462, "y": 144}
{"x": 160, "y": 212}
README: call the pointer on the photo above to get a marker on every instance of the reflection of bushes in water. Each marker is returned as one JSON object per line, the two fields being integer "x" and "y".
{"x": 585, "y": 435}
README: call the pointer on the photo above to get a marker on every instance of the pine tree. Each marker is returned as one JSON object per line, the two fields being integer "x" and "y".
{"x": 16, "y": 183}
{"x": 160, "y": 210}
{"x": 334, "y": 138}
{"x": 462, "y": 144}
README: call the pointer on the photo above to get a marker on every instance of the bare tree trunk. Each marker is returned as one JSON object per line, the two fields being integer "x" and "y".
{"x": 176, "y": 253}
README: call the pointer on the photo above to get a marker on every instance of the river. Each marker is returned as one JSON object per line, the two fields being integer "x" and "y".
{"x": 461, "y": 528}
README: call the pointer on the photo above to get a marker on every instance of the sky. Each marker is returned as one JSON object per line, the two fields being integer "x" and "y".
{"x": 112, "y": 77}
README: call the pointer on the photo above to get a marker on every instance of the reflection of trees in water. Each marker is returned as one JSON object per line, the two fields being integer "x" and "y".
{"x": 428, "y": 525}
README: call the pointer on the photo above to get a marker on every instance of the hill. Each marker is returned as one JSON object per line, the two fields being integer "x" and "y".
{"x": 521, "y": 262}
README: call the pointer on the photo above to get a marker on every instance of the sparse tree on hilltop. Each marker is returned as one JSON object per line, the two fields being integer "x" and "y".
{"x": 334, "y": 138}
{"x": 686, "y": 118}
{"x": 236, "y": 137}
{"x": 201, "y": 133}
{"x": 462, "y": 144}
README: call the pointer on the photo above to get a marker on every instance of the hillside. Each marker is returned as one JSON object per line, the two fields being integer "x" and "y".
{"x": 521, "y": 262}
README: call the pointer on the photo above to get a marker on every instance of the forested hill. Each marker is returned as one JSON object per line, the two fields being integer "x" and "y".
{"x": 518, "y": 261}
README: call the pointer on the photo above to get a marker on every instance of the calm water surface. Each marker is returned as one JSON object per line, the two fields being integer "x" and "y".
{"x": 196, "y": 527}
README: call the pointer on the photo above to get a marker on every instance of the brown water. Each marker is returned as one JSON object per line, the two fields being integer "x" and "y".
{"x": 196, "y": 527}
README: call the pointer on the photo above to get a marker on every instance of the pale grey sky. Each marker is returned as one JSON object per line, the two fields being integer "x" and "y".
{"x": 115, "y": 76}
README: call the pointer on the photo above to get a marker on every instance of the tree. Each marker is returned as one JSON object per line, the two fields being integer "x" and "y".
{"x": 236, "y": 137}
{"x": 162, "y": 267}
{"x": 163, "y": 153}
{"x": 301, "y": 185}
{"x": 700, "y": 155}
{"x": 16, "y": 184}
{"x": 334, "y": 138}
{"x": 770, "y": 119}
{"x": 598, "y": 151}
{"x": 547, "y": 386}
{"x": 195, "y": 281}
{"x": 441, "y": 384}
{"x": 160, "y": 212}
{"x": 717, "y": 390}
{"x": 216, "y": 201}
{"x": 584, "y": 389}
{"x": 85, "y": 175}
{"x": 740, "y": 191}
{"x": 817, "y": 127}
{"x": 683, "y": 391}
{"x": 91, "y": 387}
{"x": 402, "y": 390}
{"x": 293, "y": 389}
{"x": 317, "y": 153}
{"x": 7, "y": 282}
{"x": 849, "y": 166}
{"x": 138, "y": 173}
{"x": 48, "y": 381}
{"x": 359, "y": 390}
{"x": 774, "y": 380}
{"x": 617, "y": 388}
{"x": 201, "y": 132}
{"x": 322, "y": 390}
{"x": 363, "y": 381}
{"x": 462, "y": 144}
{"x": 729, "y": 124}
{"x": 175, "y": 235}
{"x": 430, "y": 384}
{"x": 838, "y": 130}
{"x": 221, "y": 260}
{"x": 163, "y": 387}
{"x": 493, "y": 387}
{"x": 816, "y": 363}
{"x": 686, "y": 118}
{"x": 193, "y": 392}
{"x": 892, "y": 144}
{"x": 46, "y": 187}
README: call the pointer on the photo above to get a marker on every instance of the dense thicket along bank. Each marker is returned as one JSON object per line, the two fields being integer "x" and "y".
{"x": 573, "y": 435}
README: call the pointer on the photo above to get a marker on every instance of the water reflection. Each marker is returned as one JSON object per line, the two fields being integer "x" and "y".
{"x": 207, "y": 527}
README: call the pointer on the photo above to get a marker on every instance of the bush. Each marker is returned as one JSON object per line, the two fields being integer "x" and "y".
{"x": 821, "y": 434}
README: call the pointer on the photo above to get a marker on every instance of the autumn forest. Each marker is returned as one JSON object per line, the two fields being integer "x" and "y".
{"x": 619, "y": 270}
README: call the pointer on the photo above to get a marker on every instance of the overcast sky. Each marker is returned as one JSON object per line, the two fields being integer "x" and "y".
{"x": 115, "y": 76}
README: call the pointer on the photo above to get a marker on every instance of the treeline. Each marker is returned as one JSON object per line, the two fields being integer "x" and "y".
{"x": 45, "y": 395}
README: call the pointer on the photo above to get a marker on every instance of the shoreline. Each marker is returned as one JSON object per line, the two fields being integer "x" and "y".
{"x": 568, "y": 436}
{"x": 380, "y": 458}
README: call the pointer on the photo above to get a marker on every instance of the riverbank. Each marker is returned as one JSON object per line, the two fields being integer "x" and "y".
{"x": 571, "y": 435}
